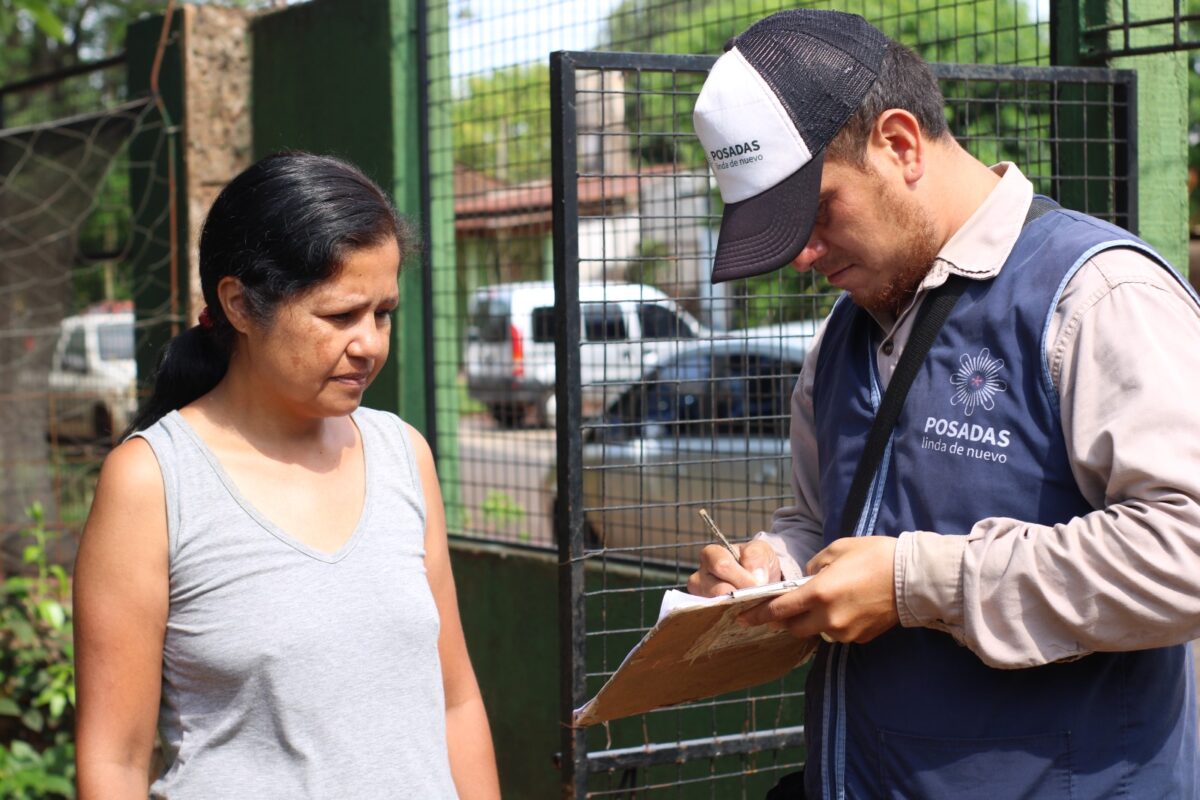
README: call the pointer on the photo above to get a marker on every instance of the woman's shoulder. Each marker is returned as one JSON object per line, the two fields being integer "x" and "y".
{"x": 393, "y": 429}
{"x": 131, "y": 466}
{"x": 130, "y": 488}
{"x": 377, "y": 416}
{"x": 386, "y": 422}
{"x": 160, "y": 431}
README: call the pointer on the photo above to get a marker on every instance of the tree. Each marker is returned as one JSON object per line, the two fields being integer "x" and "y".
{"x": 40, "y": 37}
{"x": 44, "y": 36}
{"x": 997, "y": 32}
{"x": 502, "y": 123}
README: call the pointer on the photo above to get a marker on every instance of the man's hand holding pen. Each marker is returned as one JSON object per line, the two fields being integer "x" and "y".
{"x": 851, "y": 598}
{"x": 722, "y": 571}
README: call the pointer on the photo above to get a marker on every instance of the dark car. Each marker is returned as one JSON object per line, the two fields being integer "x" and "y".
{"x": 707, "y": 428}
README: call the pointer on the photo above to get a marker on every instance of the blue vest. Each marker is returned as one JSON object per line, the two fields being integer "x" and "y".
{"x": 913, "y": 714}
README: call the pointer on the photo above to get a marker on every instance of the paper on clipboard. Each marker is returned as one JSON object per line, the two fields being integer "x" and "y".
{"x": 698, "y": 649}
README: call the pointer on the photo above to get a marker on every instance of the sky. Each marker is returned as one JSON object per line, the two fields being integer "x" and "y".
{"x": 485, "y": 34}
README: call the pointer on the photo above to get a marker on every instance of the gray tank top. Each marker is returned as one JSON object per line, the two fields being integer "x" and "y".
{"x": 289, "y": 672}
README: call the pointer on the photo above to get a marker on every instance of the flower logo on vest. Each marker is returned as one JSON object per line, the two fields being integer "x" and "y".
{"x": 976, "y": 382}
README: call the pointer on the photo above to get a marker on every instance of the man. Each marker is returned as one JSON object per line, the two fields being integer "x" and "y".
{"x": 1007, "y": 614}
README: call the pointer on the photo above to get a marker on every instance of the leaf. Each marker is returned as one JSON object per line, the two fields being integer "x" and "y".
{"x": 22, "y": 750}
{"x": 57, "y": 703}
{"x": 24, "y": 631}
{"x": 34, "y": 720}
{"x": 60, "y": 575}
{"x": 52, "y": 613}
{"x": 9, "y": 708}
{"x": 59, "y": 785}
{"x": 49, "y": 24}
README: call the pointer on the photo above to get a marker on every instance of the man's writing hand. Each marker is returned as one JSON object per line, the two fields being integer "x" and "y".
{"x": 721, "y": 573}
{"x": 851, "y": 597}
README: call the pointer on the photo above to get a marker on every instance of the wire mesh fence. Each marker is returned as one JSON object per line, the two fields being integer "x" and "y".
{"x": 666, "y": 418}
{"x": 683, "y": 387}
{"x": 75, "y": 230}
{"x": 1130, "y": 29}
{"x": 494, "y": 135}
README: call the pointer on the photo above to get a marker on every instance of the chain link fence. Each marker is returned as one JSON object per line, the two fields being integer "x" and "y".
{"x": 75, "y": 230}
{"x": 701, "y": 418}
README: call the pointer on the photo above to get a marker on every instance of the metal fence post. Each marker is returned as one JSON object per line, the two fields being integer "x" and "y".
{"x": 568, "y": 522}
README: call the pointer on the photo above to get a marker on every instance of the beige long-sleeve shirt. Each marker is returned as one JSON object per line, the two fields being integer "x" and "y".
{"x": 1124, "y": 352}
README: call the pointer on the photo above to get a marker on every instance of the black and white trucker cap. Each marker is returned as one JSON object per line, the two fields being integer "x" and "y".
{"x": 769, "y": 107}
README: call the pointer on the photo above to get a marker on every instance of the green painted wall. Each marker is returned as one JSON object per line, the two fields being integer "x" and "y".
{"x": 339, "y": 77}
{"x": 1162, "y": 135}
{"x": 151, "y": 153}
{"x": 509, "y": 606}
{"x": 508, "y": 603}
{"x": 1162, "y": 97}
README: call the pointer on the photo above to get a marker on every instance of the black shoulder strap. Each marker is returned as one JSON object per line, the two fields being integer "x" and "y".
{"x": 932, "y": 314}
{"x": 1038, "y": 207}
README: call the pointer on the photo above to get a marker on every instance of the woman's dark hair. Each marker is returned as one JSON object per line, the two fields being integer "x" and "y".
{"x": 905, "y": 81}
{"x": 281, "y": 227}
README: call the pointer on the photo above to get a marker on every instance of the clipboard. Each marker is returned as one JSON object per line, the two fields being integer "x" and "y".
{"x": 697, "y": 649}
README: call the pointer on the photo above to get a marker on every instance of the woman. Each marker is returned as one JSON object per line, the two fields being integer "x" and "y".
{"x": 265, "y": 570}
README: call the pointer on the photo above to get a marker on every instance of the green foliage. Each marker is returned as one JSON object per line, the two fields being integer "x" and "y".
{"x": 43, "y": 17}
{"x": 37, "y": 675}
{"x": 776, "y": 298}
{"x": 43, "y": 36}
{"x": 996, "y": 32}
{"x": 101, "y": 271}
{"x": 26, "y": 773}
{"x": 502, "y": 123}
{"x": 503, "y": 511}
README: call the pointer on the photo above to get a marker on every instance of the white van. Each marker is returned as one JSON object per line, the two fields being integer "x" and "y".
{"x": 625, "y": 329}
{"x": 93, "y": 377}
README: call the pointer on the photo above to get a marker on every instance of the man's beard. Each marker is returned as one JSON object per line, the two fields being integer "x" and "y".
{"x": 918, "y": 250}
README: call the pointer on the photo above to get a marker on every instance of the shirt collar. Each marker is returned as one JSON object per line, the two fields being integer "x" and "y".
{"x": 979, "y": 248}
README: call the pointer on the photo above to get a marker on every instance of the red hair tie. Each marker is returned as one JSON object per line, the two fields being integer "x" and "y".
{"x": 206, "y": 320}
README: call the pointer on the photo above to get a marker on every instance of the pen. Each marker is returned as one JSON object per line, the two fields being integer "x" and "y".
{"x": 712, "y": 526}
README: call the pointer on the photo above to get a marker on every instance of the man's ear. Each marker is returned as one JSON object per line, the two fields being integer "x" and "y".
{"x": 896, "y": 141}
{"x": 233, "y": 301}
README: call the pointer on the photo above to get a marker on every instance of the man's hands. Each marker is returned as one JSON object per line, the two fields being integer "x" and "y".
{"x": 851, "y": 597}
{"x": 720, "y": 573}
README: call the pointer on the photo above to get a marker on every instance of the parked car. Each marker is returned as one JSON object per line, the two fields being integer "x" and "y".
{"x": 510, "y": 365}
{"x": 706, "y": 428}
{"x": 93, "y": 377}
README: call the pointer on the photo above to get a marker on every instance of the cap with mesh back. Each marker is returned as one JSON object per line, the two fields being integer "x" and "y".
{"x": 767, "y": 110}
